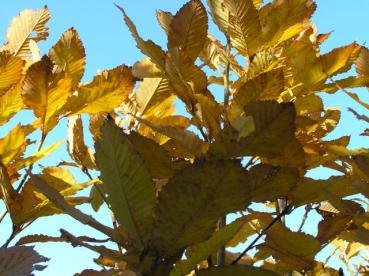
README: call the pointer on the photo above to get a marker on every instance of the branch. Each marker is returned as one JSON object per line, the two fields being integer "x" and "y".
{"x": 227, "y": 92}
{"x": 307, "y": 210}
{"x": 285, "y": 211}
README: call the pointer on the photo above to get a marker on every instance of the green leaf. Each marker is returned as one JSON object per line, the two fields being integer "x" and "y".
{"x": 127, "y": 183}
{"x": 236, "y": 270}
{"x": 194, "y": 199}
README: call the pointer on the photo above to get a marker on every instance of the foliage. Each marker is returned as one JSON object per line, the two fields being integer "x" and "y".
{"x": 170, "y": 179}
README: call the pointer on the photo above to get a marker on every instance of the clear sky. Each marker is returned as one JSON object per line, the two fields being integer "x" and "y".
{"x": 109, "y": 44}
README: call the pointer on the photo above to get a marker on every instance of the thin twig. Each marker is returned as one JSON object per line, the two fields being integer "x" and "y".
{"x": 304, "y": 218}
{"x": 227, "y": 92}
{"x": 285, "y": 211}
{"x": 3, "y": 214}
{"x": 30, "y": 167}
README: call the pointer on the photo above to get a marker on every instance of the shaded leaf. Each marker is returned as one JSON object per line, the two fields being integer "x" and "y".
{"x": 127, "y": 183}
{"x": 194, "y": 199}
{"x": 236, "y": 270}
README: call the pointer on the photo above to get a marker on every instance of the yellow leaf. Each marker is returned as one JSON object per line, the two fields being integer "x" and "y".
{"x": 12, "y": 145}
{"x": 209, "y": 113}
{"x": 45, "y": 93}
{"x": 146, "y": 69}
{"x": 76, "y": 146}
{"x": 69, "y": 55}
{"x": 151, "y": 93}
{"x": 340, "y": 60}
{"x": 165, "y": 19}
{"x": 279, "y": 17}
{"x": 10, "y": 103}
{"x": 106, "y": 91}
{"x": 185, "y": 139}
{"x": 311, "y": 104}
{"x": 28, "y": 25}
{"x": 266, "y": 86}
{"x": 188, "y": 29}
{"x": 362, "y": 62}
{"x": 22, "y": 163}
{"x": 10, "y": 71}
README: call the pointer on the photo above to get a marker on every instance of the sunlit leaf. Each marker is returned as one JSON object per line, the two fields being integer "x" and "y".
{"x": 45, "y": 93}
{"x": 69, "y": 55}
{"x": 28, "y": 25}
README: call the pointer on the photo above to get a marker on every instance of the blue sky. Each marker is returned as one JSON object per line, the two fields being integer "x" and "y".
{"x": 109, "y": 44}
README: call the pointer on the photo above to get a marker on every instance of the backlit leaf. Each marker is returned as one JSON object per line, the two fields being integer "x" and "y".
{"x": 188, "y": 29}
{"x": 105, "y": 92}
{"x": 45, "y": 93}
{"x": 10, "y": 71}
{"x": 69, "y": 55}
{"x": 28, "y": 25}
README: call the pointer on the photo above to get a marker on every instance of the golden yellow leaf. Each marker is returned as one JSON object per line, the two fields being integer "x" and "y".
{"x": 10, "y": 103}
{"x": 362, "y": 62}
{"x": 76, "y": 146}
{"x": 10, "y": 71}
{"x": 165, "y": 19}
{"x": 28, "y": 25}
{"x": 152, "y": 92}
{"x": 145, "y": 68}
{"x": 12, "y": 145}
{"x": 284, "y": 16}
{"x": 46, "y": 93}
{"x": 188, "y": 29}
{"x": 24, "y": 162}
{"x": 105, "y": 92}
{"x": 69, "y": 55}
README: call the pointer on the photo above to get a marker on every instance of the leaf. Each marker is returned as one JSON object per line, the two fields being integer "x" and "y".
{"x": 209, "y": 113}
{"x": 31, "y": 204}
{"x": 105, "y": 92}
{"x": 11, "y": 68}
{"x": 340, "y": 59}
{"x": 294, "y": 248}
{"x": 76, "y": 146}
{"x": 269, "y": 183}
{"x": 202, "y": 251}
{"x": 236, "y": 270}
{"x": 188, "y": 29}
{"x": 45, "y": 93}
{"x": 165, "y": 19}
{"x": 55, "y": 197}
{"x": 146, "y": 69}
{"x": 194, "y": 199}
{"x": 7, "y": 191}
{"x": 155, "y": 157}
{"x": 20, "y": 260}
{"x": 96, "y": 196}
{"x": 273, "y": 135}
{"x": 148, "y": 48}
{"x": 310, "y": 104}
{"x": 314, "y": 191}
{"x": 25, "y": 162}
{"x": 69, "y": 55}
{"x": 283, "y": 19}
{"x": 362, "y": 62}
{"x": 12, "y": 145}
{"x": 151, "y": 93}
{"x": 10, "y": 103}
{"x": 127, "y": 183}
{"x": 28, "y": 25}
{"x": 266, "y": 86}
{"x": 184, "y": 138}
